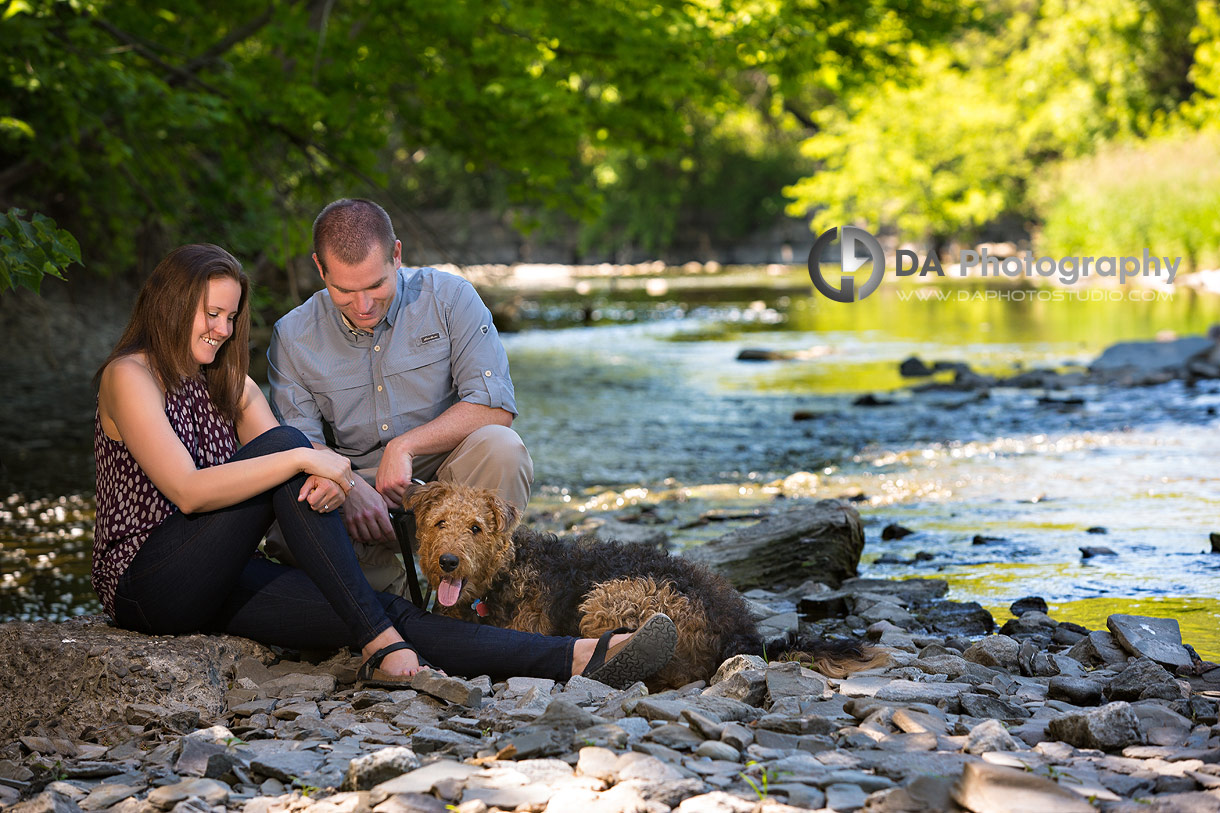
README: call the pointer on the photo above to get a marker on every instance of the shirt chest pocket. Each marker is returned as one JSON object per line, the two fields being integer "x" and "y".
{"x": 420, "y": 381}
{"x": 344, "y": 401}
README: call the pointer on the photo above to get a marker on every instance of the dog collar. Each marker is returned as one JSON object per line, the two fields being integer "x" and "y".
{"x": 479, "y": 606}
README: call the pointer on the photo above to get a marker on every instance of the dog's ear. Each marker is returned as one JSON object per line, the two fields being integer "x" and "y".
{"x": 422, "y": 499}
{"x": 505, "y": 513}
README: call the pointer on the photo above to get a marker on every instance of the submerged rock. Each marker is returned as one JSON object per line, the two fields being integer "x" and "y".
{"x": 1150, "y": 357}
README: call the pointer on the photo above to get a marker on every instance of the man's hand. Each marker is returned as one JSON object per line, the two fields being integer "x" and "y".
{"x": 394, "y": 473}
{"x": 367, "y": 514}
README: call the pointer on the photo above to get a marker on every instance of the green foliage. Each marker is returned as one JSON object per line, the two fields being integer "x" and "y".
{"x": 32, "y": 249}
{"x": 924, "y": 159}
{"x": 139, "y": 126}
{"x": 950, "y": 149}
{"x": 136, "y": 125}
{"x": 1203, "y": 109}
{"x": 1161, "y": 195}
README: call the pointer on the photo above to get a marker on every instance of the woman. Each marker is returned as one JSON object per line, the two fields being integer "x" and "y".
{"x": 181, "y": 509}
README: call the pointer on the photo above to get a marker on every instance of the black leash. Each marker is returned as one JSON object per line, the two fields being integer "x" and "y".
{"x": 404, "y": 529}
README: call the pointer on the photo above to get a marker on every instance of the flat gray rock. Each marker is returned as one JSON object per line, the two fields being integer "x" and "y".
{"x": 990, "y": 735}
{"x": 108, "y": 795}
{"x": 909, "y": 691}
{"x": 1143, "y": 679}
{"x": 287, "y": 765}
{"x": 563, "y": 713}
{"x": 380, "y": 766}
{"x": 454, "y": 690}
{"x": 793, "y": 680}
{"x": 985, "y": 788}
{"x": 1078, "y": 691}
{"x": 1157, "y": 638}
{"x": 996, "y": 651}
{"x": 1112, "y": 727}
{"x": 747, "y": 685}
{"x": 211, "y": 791}
{"x": 1098, "y": 648}
{"x": 429, "y": 739}
{"x": 423, "y": 780}
{"x": 845, "y": 797}
{"x": 984, "y": 706}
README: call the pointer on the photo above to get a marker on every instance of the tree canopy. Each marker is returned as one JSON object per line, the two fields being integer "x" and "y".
{"x": 136, "y": 123}
{"x": 988, "y": 113}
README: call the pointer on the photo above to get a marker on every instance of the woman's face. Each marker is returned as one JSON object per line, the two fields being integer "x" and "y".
{"x": 215, "y": 317}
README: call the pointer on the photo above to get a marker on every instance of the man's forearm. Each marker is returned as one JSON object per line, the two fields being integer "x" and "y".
{"x": 447, "y": 430}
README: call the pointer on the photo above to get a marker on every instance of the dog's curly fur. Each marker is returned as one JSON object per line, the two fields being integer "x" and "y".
{"x": 537, "y": 582}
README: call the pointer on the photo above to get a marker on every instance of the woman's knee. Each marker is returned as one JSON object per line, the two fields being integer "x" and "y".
{"x": 277, "y": 439}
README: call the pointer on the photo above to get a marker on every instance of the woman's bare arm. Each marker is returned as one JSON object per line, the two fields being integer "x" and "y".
{"x": 131, "y": 399}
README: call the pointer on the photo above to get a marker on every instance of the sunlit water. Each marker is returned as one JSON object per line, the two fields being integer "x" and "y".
{"x": 620, "y": 388}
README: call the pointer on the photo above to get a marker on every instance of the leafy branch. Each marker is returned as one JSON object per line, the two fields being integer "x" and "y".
{"x": 33, "y": 249}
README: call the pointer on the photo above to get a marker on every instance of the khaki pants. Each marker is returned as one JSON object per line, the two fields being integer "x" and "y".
{"x": 490, "y": 457}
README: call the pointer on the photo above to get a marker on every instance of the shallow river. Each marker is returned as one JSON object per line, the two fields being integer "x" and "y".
{"x": 638, "y": 391}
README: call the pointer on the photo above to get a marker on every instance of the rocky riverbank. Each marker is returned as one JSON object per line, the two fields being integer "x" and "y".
{"x": 1040, "y": 716}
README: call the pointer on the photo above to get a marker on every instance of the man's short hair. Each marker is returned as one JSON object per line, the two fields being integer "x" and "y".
{"x": 348, "y": 229}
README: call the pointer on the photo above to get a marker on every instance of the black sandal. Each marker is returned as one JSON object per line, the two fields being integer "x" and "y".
{"x": 371, "y": 675}
{"x": 639, "y": 657}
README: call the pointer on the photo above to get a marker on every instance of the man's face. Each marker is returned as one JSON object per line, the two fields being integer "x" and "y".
{"x": 364, "y": 291}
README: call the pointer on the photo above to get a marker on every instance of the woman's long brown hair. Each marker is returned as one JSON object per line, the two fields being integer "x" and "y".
{"x": 164, "y": 317}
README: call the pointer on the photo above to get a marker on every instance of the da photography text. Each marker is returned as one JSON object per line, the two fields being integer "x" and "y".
{"x": 858, "y": 247}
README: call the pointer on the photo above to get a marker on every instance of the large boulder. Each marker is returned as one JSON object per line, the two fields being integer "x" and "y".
{"x": 822, "y": 541}
{"x": 60, "y": 678}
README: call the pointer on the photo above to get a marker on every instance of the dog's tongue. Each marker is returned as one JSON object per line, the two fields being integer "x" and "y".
{"x": 448, "y": 591}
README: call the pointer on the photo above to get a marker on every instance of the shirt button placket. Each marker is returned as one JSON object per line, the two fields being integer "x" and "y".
{"x": 379, "y": 402}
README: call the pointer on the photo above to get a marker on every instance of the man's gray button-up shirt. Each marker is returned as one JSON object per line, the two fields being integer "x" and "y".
{"x": 436, "y": 346}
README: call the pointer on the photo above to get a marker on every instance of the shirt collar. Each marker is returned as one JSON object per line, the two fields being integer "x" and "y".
{"x": 400, "y": 294}
{"x": 352, "y": 329}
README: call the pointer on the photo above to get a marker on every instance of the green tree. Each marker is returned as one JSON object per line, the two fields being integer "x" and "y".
{"x": 139, "y": 125}
{"x": 953, "y": 148}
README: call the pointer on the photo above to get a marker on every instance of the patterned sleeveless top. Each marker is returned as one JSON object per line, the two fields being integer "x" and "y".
{"x": 129, "y": 506}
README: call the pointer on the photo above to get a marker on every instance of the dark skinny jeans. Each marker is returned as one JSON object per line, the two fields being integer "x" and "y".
{"x": 198, "y": 573}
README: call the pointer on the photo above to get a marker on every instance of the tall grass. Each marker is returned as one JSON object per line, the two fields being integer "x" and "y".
{"x": 1162, "y": 195}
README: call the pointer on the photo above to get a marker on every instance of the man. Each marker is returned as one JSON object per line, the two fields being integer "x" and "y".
{"x": 399, "y": 369}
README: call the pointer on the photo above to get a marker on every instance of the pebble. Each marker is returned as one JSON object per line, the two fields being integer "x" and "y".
{"x": 953, "y": 717}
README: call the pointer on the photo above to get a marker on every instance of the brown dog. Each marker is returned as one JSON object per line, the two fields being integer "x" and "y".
{"x": 483, "y": 566}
